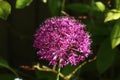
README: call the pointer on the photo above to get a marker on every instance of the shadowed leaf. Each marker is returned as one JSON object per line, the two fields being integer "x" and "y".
{"x": 105, "y": 56}
{"x": 54, "y": 6}
{"x": 7, "y": 77}
{"x": 4, "y": 64}
{"x": 78, "y": 7}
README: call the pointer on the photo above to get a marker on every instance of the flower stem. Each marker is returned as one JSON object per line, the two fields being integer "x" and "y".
{"x": 63, "y": 5}
{"x": 58, "y": 71}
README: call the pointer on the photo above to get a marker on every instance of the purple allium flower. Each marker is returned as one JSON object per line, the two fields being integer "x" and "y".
{"x": 62, "y": 38}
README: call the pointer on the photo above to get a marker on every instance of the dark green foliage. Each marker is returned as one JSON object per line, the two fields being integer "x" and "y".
{"x": 105, "y": 56}
{"x": 7, "y": 77}
{"x": 54, "y": 7}
{"x": 41, "y": 75}
{"x": 66, "y": 71}
{"x": 4, "y": 64}
{"x": 16, "y": 36}
{"x": 78, "y": 7}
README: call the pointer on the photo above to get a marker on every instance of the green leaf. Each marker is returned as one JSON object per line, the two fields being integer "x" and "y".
{"x": 115, "y": 34}
{"x": 105, "y": 56}
{"x": 88, "y": 67}
{"x": 68, "y": 69}
{"x": 44, "y": 1}
{"x": 4, "y": 64}
{"x": 54, "y": 6}
{"x": 78, "y": 7}
{"x": 7, "y": 77}
{"x": 114, "y": 14}
{"x": 117, "y": 4}
{"x": 22, "y": 3}
{"x": 118, "y": 78}
{"x": 42, "y": 75}
{"x": 5, "y": 9}
{"x": 100, "y": 6}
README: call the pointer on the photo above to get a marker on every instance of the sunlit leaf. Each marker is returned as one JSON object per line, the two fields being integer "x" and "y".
{"x": 114, "y": 14}
{"x": 5, "y": 9}
{"x": 115, "y": 34}
{"x": 78, "y": 7}
{"x": 44, "y": 1}
{"x": 54, "y": 6}
{"x": 100, "y": 6}
{"x": 105, "y": 56}
{"x": 22, "y": 3}
{"x": 4, "y": 64}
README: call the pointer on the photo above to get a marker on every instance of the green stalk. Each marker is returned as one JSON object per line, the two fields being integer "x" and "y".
{"x": 58, "y": 71}
{"x": 63, "y": 5}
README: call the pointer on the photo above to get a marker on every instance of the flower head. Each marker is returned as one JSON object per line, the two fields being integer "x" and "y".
{"x": 62, "y": 38}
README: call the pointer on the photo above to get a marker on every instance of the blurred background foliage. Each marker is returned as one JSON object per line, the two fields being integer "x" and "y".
{"x": 20, "y": 18}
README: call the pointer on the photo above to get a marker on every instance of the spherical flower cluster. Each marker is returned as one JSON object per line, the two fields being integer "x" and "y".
{"x": 62, "y": 38}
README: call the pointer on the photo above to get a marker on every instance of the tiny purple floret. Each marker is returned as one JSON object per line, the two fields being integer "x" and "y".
{"x": 62, "y": 38}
